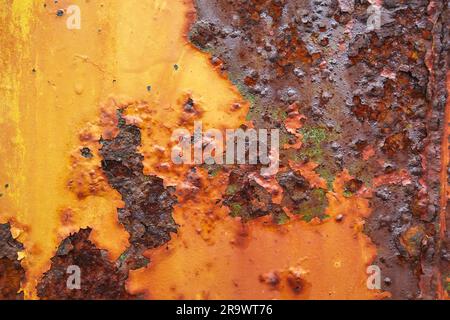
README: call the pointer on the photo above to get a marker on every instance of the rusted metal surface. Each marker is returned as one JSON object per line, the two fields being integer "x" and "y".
{"x": 363, "y": 177}
{"x": 101, "y": 278}
{"x": 11, "y": 272}
{"x": 377, "y": 98}
{"x": 147, "y": 215}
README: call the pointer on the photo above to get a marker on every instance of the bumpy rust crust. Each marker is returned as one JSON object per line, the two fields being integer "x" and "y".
{"x": 373, "y": 103}
{"x": 11, "y": 272}
{"x": 147, "y": 215}
{"x": 100, "y": 279}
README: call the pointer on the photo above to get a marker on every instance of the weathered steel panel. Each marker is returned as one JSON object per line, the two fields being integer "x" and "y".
{"x": 99, "y": 100}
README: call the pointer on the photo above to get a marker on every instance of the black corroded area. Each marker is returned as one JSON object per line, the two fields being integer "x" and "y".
{"x": 147, "y": 214}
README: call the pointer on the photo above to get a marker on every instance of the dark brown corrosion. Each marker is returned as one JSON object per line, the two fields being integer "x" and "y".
{"x": 301, "y": 198}
{"x": 99, "y": 278}
{"x": 373, "y": 101}
{"x": 147, "y": 215}
{"x": 249, "y": 200}
{"x": 11, "y": 272}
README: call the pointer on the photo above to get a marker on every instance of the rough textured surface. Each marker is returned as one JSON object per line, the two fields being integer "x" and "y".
{"x": 363, "y": 122}
{"x": 100, "y": 279}
{"x": 11, "y": 272}
{"x": 147, "y": 215}
{"x": 373, "y": 103}
{"x": 246, "y": 198}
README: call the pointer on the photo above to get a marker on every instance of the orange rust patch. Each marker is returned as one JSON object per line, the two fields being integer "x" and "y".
{"x": 307, "y": 170}
{"x": 368, "y": 153}
{"x": 401, "y": 177}
{"x": 293, "y": 122}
